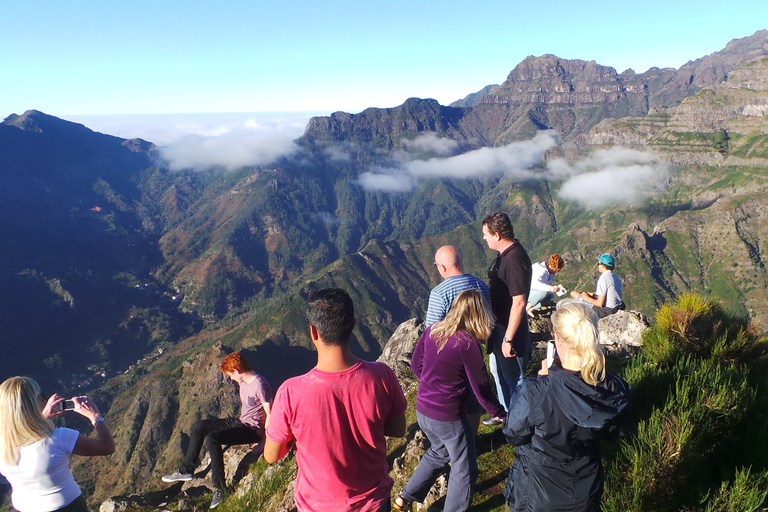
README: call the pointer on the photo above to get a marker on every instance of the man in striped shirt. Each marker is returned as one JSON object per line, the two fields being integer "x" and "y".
{"x": 455, "y": 281}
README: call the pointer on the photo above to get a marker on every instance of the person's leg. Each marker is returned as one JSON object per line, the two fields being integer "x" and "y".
{"x": 200, "y": 429}
{"x": 509, "y": 372}
{"x": 496, "y": 374}
{"x": 495, "y": 361}
{"x": 474, "y": 411}
{"x": 513, "y": 369}
{"x": 535, "y": 298}
{"x": 522, "y": 361}
{"x": 432, "y": 463}
{"x": 236, "y": 433}
{"x": 460, "y": 443}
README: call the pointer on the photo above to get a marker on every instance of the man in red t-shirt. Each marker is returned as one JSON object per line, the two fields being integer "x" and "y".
{"x": 338, "y": 415}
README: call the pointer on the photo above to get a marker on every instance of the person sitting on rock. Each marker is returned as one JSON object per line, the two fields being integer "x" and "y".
{"x": 256, "y": 403}
{"x": 607, "y": 299}
{"x": 542, "y": 289}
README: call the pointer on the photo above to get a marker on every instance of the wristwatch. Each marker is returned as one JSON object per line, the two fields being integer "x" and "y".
{"x": 512, "y": 349}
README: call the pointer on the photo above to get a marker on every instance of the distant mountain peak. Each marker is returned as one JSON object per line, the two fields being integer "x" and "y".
{"x": 38, "y": 122}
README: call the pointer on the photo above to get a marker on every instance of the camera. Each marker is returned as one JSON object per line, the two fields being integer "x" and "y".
{"x": 67, "y": 405}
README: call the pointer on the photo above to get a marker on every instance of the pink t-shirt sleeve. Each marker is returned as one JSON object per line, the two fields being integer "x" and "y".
{"x": 397, "y": 399}
{"x": 279, "y": 430}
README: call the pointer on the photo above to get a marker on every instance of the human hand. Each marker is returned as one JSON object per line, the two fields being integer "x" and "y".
{"x": 554, "y": 289}
{"x": 85, "y": 407}
{"x": 51, "y": 407}
{"x": 544, "y": 368}
{"x": 506, "y": 350}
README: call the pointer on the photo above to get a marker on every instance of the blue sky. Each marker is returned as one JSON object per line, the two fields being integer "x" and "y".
{"x": 96, "y": 57}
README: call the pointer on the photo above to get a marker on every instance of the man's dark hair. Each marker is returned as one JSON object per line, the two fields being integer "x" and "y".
{"x": 500, "y": 224}
{"x": 332, "y": 313}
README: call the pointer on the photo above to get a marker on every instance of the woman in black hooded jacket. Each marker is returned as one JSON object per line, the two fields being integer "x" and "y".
{"x": 558, "y": 420}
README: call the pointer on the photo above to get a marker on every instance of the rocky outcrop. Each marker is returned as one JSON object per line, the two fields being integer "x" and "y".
{"x": 399, "y": 349}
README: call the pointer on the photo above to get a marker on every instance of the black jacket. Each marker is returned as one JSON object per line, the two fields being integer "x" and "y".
{"x": 557, "y": 422}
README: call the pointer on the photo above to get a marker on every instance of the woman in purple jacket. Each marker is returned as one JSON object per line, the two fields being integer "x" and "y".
{"x": 448, "y": 361}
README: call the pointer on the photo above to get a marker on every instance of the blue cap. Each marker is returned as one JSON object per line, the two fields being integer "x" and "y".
{"x": 606, "y": 259}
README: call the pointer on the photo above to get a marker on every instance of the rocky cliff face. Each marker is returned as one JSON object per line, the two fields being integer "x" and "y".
{"x": 721, "y": 125}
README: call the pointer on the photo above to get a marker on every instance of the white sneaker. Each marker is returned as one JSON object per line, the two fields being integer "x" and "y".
{"x": 493, "y": 421}
{"x": 177, "y": 476}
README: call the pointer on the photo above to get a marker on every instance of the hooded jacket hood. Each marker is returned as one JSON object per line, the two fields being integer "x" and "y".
{"x": 587, "y": 406}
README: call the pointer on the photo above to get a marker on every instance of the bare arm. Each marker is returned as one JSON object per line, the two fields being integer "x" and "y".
{"x": 102, "y": 444}
{"x": 595, "y": 300}
{"x": 394, "y": 426}
{"x": 273, "y": 451}
{"x": 267, "y": 410}
{"x": 516, "y": 315}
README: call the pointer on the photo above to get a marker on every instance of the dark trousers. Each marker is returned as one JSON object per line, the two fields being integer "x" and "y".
{"x": 77, "y": 505}
{"x": 215, "y": 433}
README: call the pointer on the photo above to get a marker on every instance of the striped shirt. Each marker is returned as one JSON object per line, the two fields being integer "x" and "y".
{"x": 441, "y": 297}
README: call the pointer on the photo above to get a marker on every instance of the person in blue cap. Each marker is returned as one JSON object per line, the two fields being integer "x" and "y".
{"x": 607, "y": 298}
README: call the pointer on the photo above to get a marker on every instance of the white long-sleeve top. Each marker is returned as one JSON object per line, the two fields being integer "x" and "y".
{"x": 541, "y": 279}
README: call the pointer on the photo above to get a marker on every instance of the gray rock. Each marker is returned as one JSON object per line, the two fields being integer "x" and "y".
{"x": 399, "y": 349}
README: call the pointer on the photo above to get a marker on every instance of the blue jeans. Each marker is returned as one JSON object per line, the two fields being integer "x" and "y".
{"x": 538, "y": 298}
{"x": 508, "y": 372}
{"x": 452, "y": 442}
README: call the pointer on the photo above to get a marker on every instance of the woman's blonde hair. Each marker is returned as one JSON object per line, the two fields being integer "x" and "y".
{"x": 21, "y": 422}
{"x": 468, "y": 313}
{"x": 576, "y": 325}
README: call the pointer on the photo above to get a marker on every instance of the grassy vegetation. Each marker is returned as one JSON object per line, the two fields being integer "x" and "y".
{"x": 700, "y": 402}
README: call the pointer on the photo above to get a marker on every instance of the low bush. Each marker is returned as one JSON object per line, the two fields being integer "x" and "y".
{"x": 699, "y": 398}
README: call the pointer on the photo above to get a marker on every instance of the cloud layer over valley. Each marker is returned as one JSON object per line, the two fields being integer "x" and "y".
{"x": 610, "y": 176}
{"x": 511, "y": 160}
{"x": 202, "y": 141}
{"x": 616, "y": 175}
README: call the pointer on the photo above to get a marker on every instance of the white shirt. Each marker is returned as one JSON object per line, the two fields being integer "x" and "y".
{"x": 42, "y": 481}
{"x": 541, "y": 279}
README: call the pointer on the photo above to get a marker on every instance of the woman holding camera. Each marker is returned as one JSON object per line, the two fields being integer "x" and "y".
{"x": 558, "y": 421}
{"x": 448, "y": 361}
{"x": 34, "y": 453}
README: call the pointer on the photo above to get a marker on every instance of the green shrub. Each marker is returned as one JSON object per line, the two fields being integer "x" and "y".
{"x": 697, "y": 392}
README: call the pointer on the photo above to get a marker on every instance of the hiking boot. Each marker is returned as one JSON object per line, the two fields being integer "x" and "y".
{"x": 177, "y": 476}
{"x": 493, "y": 421}
{"x": 218, "y": 498}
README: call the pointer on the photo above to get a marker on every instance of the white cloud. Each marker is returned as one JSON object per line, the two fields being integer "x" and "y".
{"x": 196, "y": 141}
{"x": 430, "y": 143}
{"x": 337, "y": 155}
{"x": 513, "y": 159}
{"x": 231, "y": 149}
{"x": 612, "y": 176}
{"x": 327, "y": 218}
{"x": 386, "y": 182}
